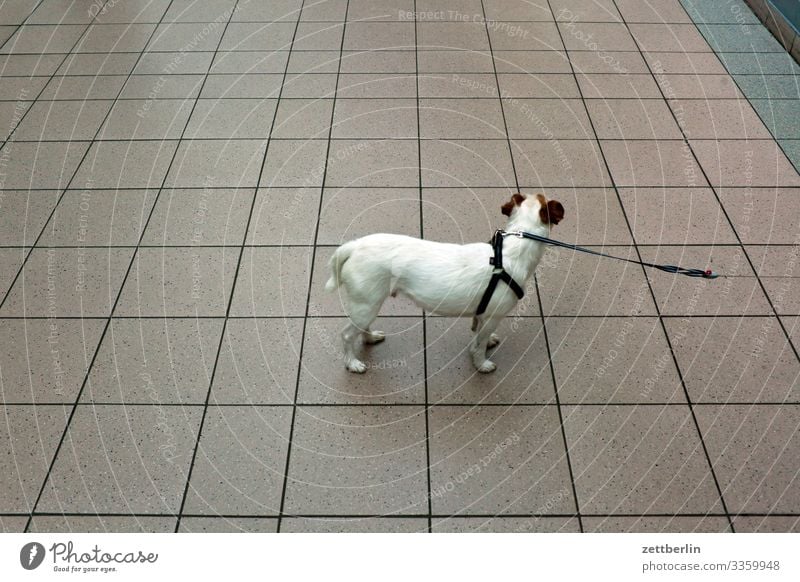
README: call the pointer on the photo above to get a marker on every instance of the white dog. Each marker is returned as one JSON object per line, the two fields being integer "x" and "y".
{"x": 445, "y": 279}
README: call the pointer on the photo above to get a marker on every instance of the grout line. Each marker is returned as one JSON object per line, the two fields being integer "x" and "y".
{"x": 552, "y": 97}
{"x": 750, "y": 101}
{"x": 335, "y": 516}
{"x": 647, "y": 280}
{"x": 50, "y": 78}
{"x": 108, "y": 320}
{"x": 8, "y": 139}
{"x": 223, "y": 332}
{"x": 542, "y": 318}
{"x": 24, "y": 22}
{"x": 85, "y": 155}
{"x": 498, "y": 187}
{"x": 386, "y": 316}
{"x": 334, "y": 245}
{"x": 608, "y": 404}
{"x": 402, "y": 49}
{"x": 400, "y": 73}
{"x": 380, "y": 139}
{"x": 310, "y": 273}
{"x": 558, "y": 405}
{"x": 713, "y": 188}
{"x": 437, "y": 21}
{"x": 655, "y": 300}
{"x": 424, "y": 317}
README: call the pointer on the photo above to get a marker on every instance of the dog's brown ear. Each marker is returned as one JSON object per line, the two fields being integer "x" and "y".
{"x": 516, "y": 200}
{"x": 552, "y": 212}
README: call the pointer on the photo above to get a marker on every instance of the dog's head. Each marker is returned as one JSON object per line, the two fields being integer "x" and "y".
{"x": 533, "y": 209}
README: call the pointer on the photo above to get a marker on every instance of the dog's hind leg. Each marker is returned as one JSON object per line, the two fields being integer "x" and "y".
{"x": 373, "y": 337}
{"x": 361, "y": 316}
{"x": 477, "y": 350}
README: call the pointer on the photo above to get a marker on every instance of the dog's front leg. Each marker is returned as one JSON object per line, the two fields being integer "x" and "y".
{"x": 483, "y": 334}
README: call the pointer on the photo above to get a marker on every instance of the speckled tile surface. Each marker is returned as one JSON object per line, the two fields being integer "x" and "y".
{"x": 170, "y": 361}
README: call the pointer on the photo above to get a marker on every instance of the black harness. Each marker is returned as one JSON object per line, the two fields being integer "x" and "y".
{"x": 499, "y": 274}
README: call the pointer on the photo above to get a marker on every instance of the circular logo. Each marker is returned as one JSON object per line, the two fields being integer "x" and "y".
{"x": 31, "y": 555}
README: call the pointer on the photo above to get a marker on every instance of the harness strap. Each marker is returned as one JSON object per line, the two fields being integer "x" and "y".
{"x": 499, "y": 274}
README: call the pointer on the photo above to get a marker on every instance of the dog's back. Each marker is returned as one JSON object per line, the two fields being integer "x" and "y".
{"x": 378, "y": 265}
{"x": 368, "y": 249}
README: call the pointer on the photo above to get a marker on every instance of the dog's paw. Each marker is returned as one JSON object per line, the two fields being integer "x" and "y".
{"x": 356, "y": 366}
{"x": 494, "y": 340}
{"x": 374, "y": 337}
{"x": 487, "y": 367}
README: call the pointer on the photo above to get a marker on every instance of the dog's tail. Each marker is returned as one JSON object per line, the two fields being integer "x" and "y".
{"x": 336, "y": 262}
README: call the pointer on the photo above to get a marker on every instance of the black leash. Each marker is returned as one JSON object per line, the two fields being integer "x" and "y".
{"x": 500, "y": 274}
{"x": 707, "y": 274}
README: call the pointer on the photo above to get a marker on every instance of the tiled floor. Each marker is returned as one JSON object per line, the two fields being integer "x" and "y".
{"x": 174, "y": 175}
